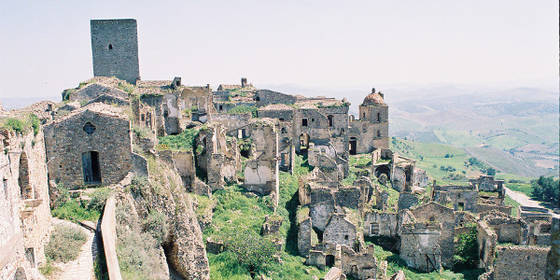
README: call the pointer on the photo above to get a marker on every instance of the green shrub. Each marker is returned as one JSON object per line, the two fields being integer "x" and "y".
{"x": 466, "y": 251}
{"x": 65, "y": 244}
{"x": 243, "y": 109}
{"x": 251, "y": 250}
{"x": 156, "y": 225}
{"x": 74, "y": 210}
{"x": 98, "y": 199}
{"x": 16, "y": 125}
{"x": 182, "y": 142}
{"x": 126, "y": 87}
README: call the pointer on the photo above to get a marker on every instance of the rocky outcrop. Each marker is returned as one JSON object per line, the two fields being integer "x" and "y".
{"x": 178, "y": 227}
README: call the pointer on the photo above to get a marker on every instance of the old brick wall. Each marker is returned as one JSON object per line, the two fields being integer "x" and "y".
{"x": 114, "y": 45}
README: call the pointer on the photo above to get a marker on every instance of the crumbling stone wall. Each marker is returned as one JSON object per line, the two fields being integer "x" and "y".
{"x": 553, "y": 258}
{"x": 380, "y": 224}
{"x": 420, "y": 246}
{"x": 96, "y": 128}
{"x": 24, "y": 204}
{"x": 265, "y": 97}
{"x": 463, "y": 198}
{"x": 262, "y": 170}
{"x": 435, "y": 213}
{"x": 487, "y": 240}
{"x": 218, "y": 156}
{"x": 340, "y": 231}
{"x": 520, "y": 262}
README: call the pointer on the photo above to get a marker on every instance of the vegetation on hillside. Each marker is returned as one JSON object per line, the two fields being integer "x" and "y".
{"x": 242, "y": 109}
{"x": 75, "y": 209}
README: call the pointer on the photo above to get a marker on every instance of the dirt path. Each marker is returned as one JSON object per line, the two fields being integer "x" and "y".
{"x": 524, "y": 200}
{"x": 82, "y": 267}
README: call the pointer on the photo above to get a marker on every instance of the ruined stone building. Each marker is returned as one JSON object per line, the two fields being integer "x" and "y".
{"x": 89, "y": 146}
{"x": 371, "y": 130}
{"x": 25, "y": 216}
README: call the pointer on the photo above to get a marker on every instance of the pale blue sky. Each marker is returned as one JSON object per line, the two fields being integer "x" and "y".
{"x": 345, "y": 44}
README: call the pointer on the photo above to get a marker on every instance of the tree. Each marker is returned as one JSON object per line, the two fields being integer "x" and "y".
{"x": 466, "y": 251}
{"x": 491, "y": 171}
{"x": 547, "y": 189}
{"x": 252, "y": 250}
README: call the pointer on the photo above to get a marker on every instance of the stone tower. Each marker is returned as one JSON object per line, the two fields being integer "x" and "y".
{"x": 375, "y": 112}
{"x": 114, "y": 46}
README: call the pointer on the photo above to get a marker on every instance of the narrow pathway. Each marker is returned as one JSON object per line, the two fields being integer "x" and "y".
{"x": 524, "y": 200}
{"x": 82, "y": 267}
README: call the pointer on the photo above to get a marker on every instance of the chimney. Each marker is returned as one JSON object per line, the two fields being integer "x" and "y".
{"x": 243, "y": 82}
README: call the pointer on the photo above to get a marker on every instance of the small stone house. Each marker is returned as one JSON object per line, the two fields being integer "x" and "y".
{"x": 90, "y": 146}
{"x": 340, "y": 230}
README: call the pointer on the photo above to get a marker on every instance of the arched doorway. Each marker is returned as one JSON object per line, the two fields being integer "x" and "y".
{"x": 23, "y": 180}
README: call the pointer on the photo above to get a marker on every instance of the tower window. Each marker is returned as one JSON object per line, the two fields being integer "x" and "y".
{"x": 378, "y": 117}
{"x": 110, "y": 46}
{"x": 330, "y": 117}
{"x": 378, "y": 133}
{"x": 303, "y": 122}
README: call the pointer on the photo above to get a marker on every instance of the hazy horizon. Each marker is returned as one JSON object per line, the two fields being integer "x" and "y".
{"x": 300, "y": 44}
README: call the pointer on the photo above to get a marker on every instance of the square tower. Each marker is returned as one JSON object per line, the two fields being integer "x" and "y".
{"x": 114, "y": 46}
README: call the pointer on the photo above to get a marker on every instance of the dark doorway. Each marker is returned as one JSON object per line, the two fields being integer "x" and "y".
{"x": 329, "y": 261}
{"x": 90, "y": 166}
{"x": 304, "y": 141}
{"x": 353, "y": 143}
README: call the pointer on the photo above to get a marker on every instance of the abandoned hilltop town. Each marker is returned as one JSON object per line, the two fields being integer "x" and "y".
{"x": 161, "y": 162}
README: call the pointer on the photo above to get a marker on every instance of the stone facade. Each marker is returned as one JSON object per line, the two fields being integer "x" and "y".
{"x": 420, "y": 246}
{"x": 340, "y": 231}
{"x": 262, "y": 170}
{"x": 371, "y": 131}
{"x": 520, "y": 262}
{"x": 91, "y": 145}
{"x": 114, "y": 45}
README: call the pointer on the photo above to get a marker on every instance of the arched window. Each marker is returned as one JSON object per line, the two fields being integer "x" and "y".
{"x": 378, "y": 117}
{"x": 110, "y": 46}
{"x": 330, "y": 117}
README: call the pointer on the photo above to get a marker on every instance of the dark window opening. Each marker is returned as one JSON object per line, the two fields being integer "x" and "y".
{"x": 378, "y": 117}
{"x": 221, "y": 108}
{"x": 461, "y": 206}
{"x": 89, "y": 128}
{"x": 258, "y": 98}
{"x": 330, "y": 117}
{"x": 378, "y": 133}
{"x": 283, "y": 130}
{"x": 303, "y": 122}
{"x": 312, "y": 120}
{"x": 90, "y": 166}
{"x": 30, "y": 256}
{"x": 142, "y": 117}
{"x": 329, "y": 261}
{"x": 5, "y": 187}
{"x": 110, "y": 46}
{"x": 346, "y": 237}
{"x": 432, "y": 218}
{"x": 23, "y": 180}
{"x": 165, "y": 114}
{"x": 281, "y": 119}
{"x": 364, "y": 115}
